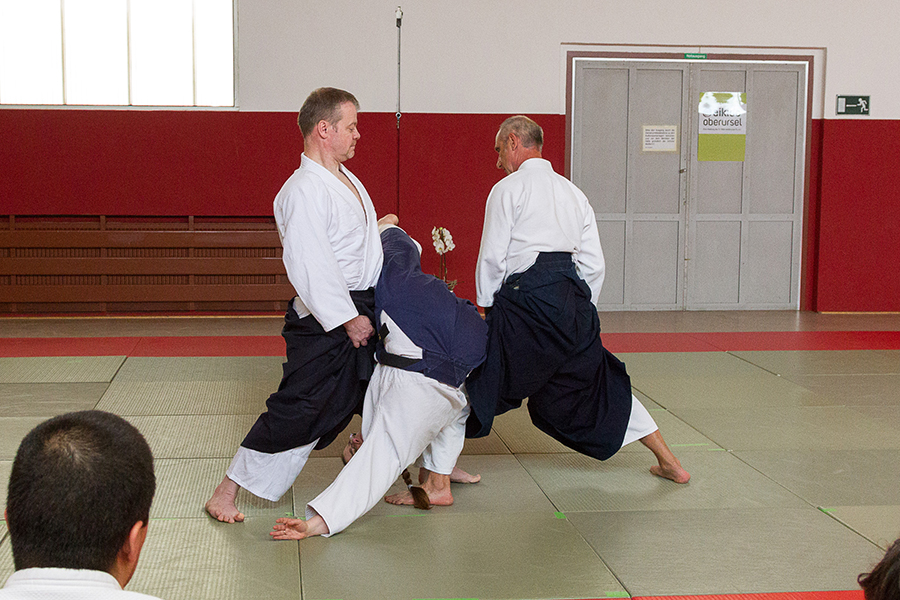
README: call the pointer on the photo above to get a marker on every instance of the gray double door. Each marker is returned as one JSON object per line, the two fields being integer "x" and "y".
{"x": 680, "y": 233}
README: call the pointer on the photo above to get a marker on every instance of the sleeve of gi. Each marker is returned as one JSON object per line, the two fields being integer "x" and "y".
{"x": 589, "y": 259}
{"x": 499, "y": 217}
{"x": 309, "y": 259}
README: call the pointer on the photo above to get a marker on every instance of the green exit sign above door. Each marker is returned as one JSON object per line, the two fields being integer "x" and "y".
{"x": 852, "y": 105}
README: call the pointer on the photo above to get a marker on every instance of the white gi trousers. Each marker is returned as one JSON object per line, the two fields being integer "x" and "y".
{"x": 640, "y": 423}
{"x": 267, "y": 475}
{"x": 403, "y": 413}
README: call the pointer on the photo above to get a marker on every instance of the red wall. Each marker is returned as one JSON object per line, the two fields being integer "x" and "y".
{"x": 859, "y": 237}
{"x": 226, "y": 163}
{"x": 211, "y": 163}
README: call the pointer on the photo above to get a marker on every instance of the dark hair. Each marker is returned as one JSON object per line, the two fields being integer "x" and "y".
{"x": 79, "y": 483}
{"x": 419, "y": 495}
{"x": 883, "y": 583}
{"x": 529, "y": 132}
{"x": 323, "y": 104}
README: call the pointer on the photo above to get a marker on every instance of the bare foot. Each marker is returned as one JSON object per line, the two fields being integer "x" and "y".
{"x": 675, "y": 472}
{"x": 436, "y": 486}
{"x": 460, "y": 476}
{"x": 457, "y": 475}
{"x": 289, "y": 529}
{"x": 221, "y": 506}
{"x": 353, "y": 444}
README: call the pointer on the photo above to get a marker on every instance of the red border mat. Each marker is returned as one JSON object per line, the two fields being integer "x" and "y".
{"x": 250, "y": 345}
{"x": 846, "y": 595}
{"x": 751, "y": 340}
{"x": 616, "y": 342}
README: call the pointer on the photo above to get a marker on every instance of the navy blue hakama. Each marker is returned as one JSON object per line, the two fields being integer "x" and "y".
{"x": 323, "y": 384}
{"x": 544, "y": 344}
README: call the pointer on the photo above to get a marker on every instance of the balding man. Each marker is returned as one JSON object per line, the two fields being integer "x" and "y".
{"x": 539, "y": 273}
{"x": 332, "y": 255}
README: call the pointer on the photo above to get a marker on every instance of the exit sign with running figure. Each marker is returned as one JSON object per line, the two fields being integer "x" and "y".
{"x": 852, "y": 105}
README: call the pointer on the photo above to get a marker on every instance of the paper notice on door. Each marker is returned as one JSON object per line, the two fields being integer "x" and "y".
{"x": 722, "y": 130}
{"x": 659, "y": 138}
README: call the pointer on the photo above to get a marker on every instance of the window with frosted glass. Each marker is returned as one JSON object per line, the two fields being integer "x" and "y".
{"x": 117, "y": 52}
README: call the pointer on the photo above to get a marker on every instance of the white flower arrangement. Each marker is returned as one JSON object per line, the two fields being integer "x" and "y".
{"x": 443, "y": 243}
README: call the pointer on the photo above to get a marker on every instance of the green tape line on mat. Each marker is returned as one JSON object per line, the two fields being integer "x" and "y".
{"x": 622, "y": 594}
{"x": 827, "y": 511}
{"x": 560, "y": 515}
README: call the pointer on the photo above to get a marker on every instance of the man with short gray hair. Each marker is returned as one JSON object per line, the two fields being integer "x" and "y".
{"x": 539, "y": 272}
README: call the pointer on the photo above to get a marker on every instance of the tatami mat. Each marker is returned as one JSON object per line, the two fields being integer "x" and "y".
{"x": 59, "y": 369}
{"x": 852, "y": 390}
{"x": 5, "y": 470}
{"x": 879, "y": 524}
{"x": 519, "y": 434}
{"x": 12, "y": 430}
{"x": 194, "y": 436}
{"x": 203, "y": 368}
{"x": 186, "y": 397}
{"x": 184, "y": 485}
{"x": 833, "y": 477}
{"x": 48, "y": 399}
{"x": 200, "y": 559}
{"x": 886, "y": 415}
{"x": 677, "y": 381}
{"x": 574, "y": 482}
{"x": 6, "y": 558}
{"x": 510, "y": 555}
{"x": 794, "y": 459}
{"x": 505, "y": 487}
{"x": 792, "y": 427}
{"x": 834, "y": 362}
{"x": 654, "y": 365}
{"x": 695, "y": 552}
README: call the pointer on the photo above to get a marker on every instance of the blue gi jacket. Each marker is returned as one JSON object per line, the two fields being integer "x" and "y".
{"x": 449, "y": 330}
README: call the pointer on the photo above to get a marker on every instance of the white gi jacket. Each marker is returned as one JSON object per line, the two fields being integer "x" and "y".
{"x": 331, "y": 243}
{"x": 66, "y": 584}
{"x": 536, "y": 210}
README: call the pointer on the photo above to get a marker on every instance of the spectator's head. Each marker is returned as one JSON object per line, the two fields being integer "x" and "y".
{"x": 883, "y": 582}
{"x": 79, "y": 494}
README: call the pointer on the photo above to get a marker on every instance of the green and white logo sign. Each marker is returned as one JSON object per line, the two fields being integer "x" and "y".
{"x": 723, "y": 126}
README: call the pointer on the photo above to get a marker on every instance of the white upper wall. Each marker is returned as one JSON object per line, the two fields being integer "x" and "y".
{"x": 507, "y": 56}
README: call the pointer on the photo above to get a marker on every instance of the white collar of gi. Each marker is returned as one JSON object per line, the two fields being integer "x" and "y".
{"x": 332, "y": 181}
{"x": 536, "y": 163}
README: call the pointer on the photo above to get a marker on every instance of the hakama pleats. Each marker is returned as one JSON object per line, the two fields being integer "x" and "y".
{"x": 323, "y": 384}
